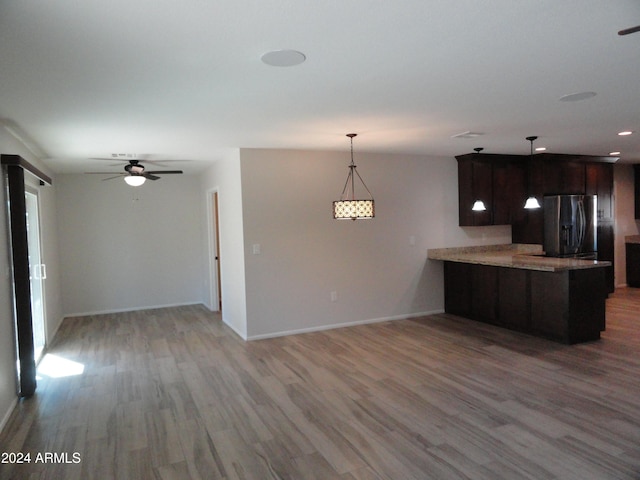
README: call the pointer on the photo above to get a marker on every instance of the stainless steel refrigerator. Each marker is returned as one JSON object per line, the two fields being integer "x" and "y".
{"x": 570, "y": 226}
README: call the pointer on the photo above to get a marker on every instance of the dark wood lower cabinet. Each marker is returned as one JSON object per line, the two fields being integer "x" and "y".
{"x": 515, "y": 297}
{"x": 606, "y": 236}
{"x": 484, "y": 293}
{"x": 457, "y": 288}
{"x": 633, "y": 264}
{"x": 566, "y": 306}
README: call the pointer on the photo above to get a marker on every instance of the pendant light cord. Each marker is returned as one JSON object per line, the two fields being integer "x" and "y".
{"x": 351, "y": 177}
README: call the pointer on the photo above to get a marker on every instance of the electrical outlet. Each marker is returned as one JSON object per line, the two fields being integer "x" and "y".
{"x": 334, "y": 296}
{"x": 256, "y": 249}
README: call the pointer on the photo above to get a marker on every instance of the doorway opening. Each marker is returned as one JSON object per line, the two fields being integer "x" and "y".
{"x": 215, "y": 283}
{"x": 37, "y": 272}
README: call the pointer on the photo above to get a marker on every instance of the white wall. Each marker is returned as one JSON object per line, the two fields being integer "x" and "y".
{"x": 224, "y": 177}
{"x": 126, "y": 248}
{"x": 371, "y": 265}
{"x": 625, "y": 217}
{"x": 53, "y": 310}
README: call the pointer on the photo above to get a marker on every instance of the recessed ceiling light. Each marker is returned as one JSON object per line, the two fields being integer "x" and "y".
{"x": 576, "y": 97}
{"x": 614, "y": 153}
{"x": 626, "y": 132}
{"x": 541, "y": 149}
{"x": 283, "y": 58}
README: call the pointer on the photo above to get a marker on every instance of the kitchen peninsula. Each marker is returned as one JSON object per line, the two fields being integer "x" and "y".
{"x": 517, "y": 287}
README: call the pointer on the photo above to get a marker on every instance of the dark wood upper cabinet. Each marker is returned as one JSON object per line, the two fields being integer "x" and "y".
{"x": 499, "y": 181}
{"x": 563, "y": 178}
{"x": 475, "y": 182}
{"x": 636, "y": 174}
{"x": 503, "y": 182}
{"x": 509, "y": 191}
{"x": 599, "y": 181}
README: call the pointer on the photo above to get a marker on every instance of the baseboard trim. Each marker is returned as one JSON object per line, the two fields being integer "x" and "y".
{"x": 132, "y": 309}
{"x": 234, "y": 329}
{"x": 320, "y": 328}
{"x": 7, "y": 415}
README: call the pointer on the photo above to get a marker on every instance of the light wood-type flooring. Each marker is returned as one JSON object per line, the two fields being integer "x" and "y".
{"x": 174, "y": 394}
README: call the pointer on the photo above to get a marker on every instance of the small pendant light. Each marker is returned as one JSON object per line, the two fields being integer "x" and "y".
{"x": 349, "y": 207}
{"x": 478, "y": 205}
{"x": 532, "y": 202}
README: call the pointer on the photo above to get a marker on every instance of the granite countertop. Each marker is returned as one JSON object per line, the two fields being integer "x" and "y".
{"x": 527, "y": 257}
{"x": 632, "y": 239}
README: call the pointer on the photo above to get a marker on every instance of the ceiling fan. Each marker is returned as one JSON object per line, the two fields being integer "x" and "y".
{"x": 627, "y": 31}
{"x": 135, "y": 173}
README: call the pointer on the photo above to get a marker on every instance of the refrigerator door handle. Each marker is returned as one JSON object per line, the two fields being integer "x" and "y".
{"x": 582, "y": 224}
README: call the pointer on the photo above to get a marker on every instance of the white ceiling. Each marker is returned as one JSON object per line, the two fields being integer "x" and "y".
{"x": 183, "y": 79}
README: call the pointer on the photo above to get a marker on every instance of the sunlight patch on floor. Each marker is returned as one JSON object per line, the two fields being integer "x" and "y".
{"x": 54, "y": 366}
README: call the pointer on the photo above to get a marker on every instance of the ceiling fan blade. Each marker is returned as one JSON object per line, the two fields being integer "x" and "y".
{"x": 104, "y": 173}
{"x": 119, "y": 161}
{"x": 111, "y": 178}
{"x": 150, "y": 176}
{"x": 164, "y": 172}
{"x": 627, "y": 31}
{"x": 158, "y": 162}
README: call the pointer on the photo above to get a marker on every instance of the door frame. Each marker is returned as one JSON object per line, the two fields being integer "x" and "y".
{"x": 15, "y": 166}
{"x": 213, "y": 240}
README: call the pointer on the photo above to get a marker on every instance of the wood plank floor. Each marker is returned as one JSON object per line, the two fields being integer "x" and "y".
{"x": 174, "y": 394}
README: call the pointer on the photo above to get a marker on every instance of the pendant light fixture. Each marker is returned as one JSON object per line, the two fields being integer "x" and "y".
{"x": 532, "y": 202}
{"x": 478, "y": 205}
{"x": 349, "y": 207}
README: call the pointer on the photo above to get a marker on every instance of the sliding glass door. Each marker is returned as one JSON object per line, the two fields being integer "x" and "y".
{"x": 37, "y": 273}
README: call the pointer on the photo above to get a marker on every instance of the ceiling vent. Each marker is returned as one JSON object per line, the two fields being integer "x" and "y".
{"x": 467, "y": 135}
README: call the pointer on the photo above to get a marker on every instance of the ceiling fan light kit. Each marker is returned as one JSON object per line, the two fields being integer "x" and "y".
{"x": 135, "y": 180}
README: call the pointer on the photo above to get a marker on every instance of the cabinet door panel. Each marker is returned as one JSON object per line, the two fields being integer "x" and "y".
{"x": 509, "y": 192}
{"x": 636, "y": 175}
{"x": 484, "y": 293}
{"x": 599, "y": 181}
{"x": 564, "y": 178}
{"x": 465, "y": 193}
{"x": 483, "y": 190}
{"x": 549, "y": 304}
{"x": 457, "y": 288}
{"x": 513, "y": 298}
{"x": 633, "y": 264}
{"x": 474, "y": 183}
{"x": 606, "y": 249}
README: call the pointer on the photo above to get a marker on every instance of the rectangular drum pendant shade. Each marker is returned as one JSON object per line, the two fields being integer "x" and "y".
{"x": 353, "y": 209}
